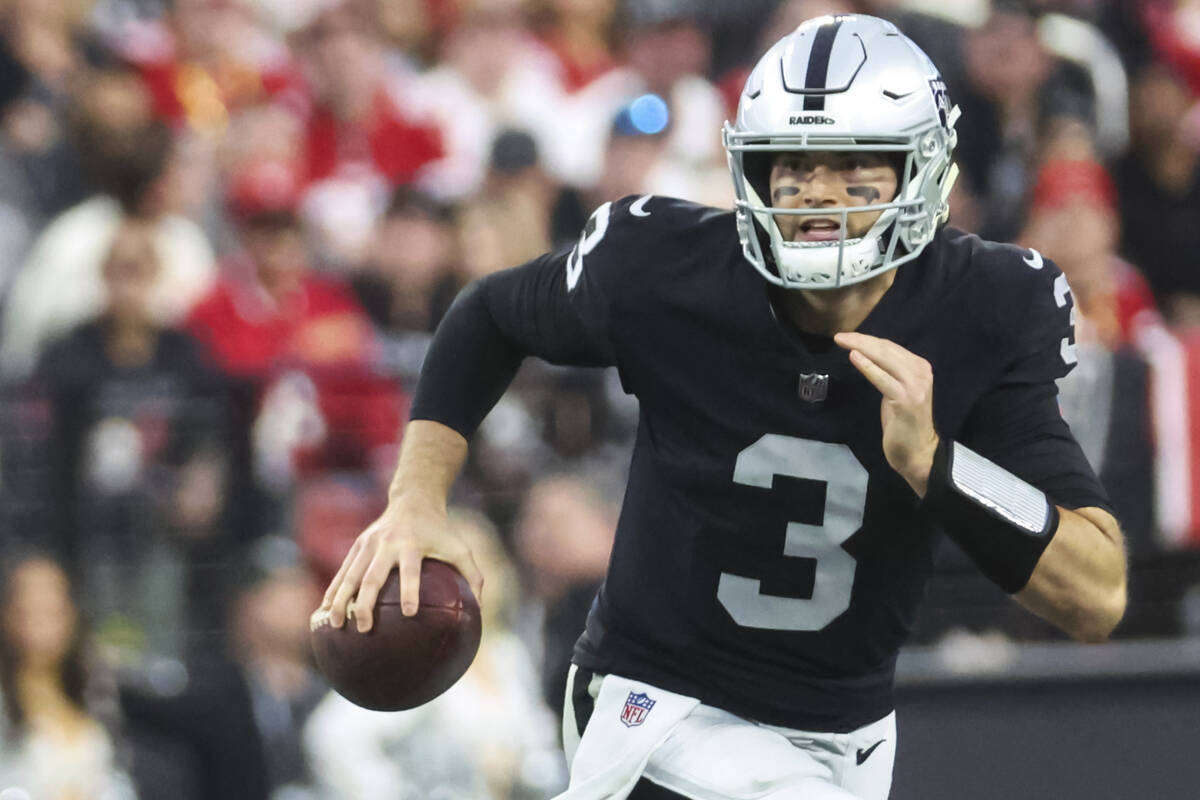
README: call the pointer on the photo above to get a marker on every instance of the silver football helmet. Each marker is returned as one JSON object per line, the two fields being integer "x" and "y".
{"x": 844, "y": 83}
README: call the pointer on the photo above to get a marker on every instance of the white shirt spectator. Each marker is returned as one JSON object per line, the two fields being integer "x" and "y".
{"x": 571, "y": 128}
{"x": 572, "y": 131}
{"x": 59, "y": 286}
{"x": 50, "y": 766}
{"x": 452, "y": 748}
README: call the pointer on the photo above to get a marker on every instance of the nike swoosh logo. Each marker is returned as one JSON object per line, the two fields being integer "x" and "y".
{"x": 896, "y": 95}
{"x": 863, "y": 755}
{"x": 1034, "y": 259}
{"x": 638, "y": 209}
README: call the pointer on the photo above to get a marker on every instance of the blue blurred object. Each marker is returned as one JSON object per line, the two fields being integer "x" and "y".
{"x": 646, "y": 115}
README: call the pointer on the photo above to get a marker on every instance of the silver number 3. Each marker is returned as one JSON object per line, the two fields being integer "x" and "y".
{"x": 845, "y": 499}
{"x": 593, "y": 232}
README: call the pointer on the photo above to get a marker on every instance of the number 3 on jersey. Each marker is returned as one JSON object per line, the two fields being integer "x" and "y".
{"x": 593, "y": 232}
{"x": 845, "y": 498}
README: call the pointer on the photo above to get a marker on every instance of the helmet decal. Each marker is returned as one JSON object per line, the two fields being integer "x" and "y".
{"x": 818, "y": 64}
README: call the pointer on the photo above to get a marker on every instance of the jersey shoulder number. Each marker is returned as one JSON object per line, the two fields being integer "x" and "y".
{"x": 631, "y": 240}
{"x": 1051, "y": 310}
{"x": 593, "y": 232}
{"x": 1028, "y": 304}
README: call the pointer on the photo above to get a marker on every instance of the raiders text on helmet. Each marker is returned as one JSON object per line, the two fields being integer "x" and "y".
{"x": 843, "y": 83}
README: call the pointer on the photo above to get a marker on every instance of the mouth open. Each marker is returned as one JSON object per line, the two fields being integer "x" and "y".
{"x": 819, "y": 229}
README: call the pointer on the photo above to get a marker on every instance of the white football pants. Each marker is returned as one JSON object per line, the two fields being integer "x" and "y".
{"x": 714, "y": 755}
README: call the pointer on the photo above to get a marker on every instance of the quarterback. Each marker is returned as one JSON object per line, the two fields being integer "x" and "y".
{"x": 830, "y": 378}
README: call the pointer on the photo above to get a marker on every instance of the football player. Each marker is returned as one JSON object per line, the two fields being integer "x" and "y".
{"x": 829, "y": 379}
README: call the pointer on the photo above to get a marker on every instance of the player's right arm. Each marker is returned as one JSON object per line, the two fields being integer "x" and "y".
{"x": 414, "y": 526}
{"x": 551, "y": 308}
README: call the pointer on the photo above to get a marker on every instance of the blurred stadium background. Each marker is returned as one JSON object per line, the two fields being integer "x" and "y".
{"x": 227, "y": 230}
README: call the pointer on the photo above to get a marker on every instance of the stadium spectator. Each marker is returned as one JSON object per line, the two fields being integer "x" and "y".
{"x": 665, "y": 51}
{"x": 1010, "y": 89}
{"x": 270, "y": 306}
{"x": 410, "y": 28}
{"x": 563, "y": 537}
{"x": 409, "y": 278}
{"x": 59, "y": 284}
{"x": 1073, "y": 221}
{"x": 509, "y": 220}
{"x": 366, "y": 133}
{"x": 1171, "y": 27}
{"x": 296, "y": 343}
{"x": 488, "y": 736}
{"x": 668, "y": 49}
{"x": 406, "y": 283}
{"x": 329, "y": 512}
{"x": 265, "y": 133}
{"x": 637, "y": 157}
{"x": 554, "y": 420}
{"x": 581, "y": 36}
{"x": 55, "y": 742}
{"x": 207, "y": 59}
{"x": 360, "y": 121}
{"x": 49, "y": 47}
{"x": 22, "y": 125}
{"x": 490, "y": 71}
{"x": 135, "y": 415}
{"x": 226, "y": 726}
{"x": 50, "y": 39}
{"x": 1158, "y": 183}
{"x": 568, "y": 109}
{"x": 270, "y": 637}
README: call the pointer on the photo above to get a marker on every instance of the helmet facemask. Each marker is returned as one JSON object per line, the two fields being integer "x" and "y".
{"x": 905, "y": 225}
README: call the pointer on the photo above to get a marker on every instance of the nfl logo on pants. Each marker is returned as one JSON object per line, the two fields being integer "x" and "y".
{"x": 637, "y": 706}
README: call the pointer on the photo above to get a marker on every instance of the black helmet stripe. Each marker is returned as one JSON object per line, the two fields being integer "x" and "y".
{"x": 818, "y": 64}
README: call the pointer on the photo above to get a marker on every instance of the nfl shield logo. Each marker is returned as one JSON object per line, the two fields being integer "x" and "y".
{"x": 813, "y": 387}
{"x": 637, "y": 706}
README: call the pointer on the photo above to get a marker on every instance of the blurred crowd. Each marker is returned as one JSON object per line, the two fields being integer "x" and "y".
{"x": 228, "y": 229}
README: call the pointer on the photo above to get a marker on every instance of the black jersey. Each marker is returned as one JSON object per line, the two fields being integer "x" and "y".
{"x": 768, "y": 560}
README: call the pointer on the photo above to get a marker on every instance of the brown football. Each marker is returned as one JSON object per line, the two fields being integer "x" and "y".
{"x": 402, "y": 661}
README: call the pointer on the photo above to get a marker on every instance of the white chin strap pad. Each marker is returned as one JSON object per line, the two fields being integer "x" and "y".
{"x": 818, "y": 264}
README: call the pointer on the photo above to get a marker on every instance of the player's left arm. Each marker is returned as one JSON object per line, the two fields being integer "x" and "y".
{"x": 1079, "y": 582}
{"x": 1064, "y": 560}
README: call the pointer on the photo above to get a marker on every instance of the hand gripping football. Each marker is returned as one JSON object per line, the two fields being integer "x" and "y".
{"x": 402, "y": 662}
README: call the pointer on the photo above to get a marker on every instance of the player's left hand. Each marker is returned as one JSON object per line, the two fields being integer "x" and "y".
{"x": 906, "y": 382}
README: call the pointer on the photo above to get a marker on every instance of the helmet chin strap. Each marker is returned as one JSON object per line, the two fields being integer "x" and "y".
{"x": 816, "y": 265}
{"x": 947, "y": 187}
{"x": 799, "y": 264}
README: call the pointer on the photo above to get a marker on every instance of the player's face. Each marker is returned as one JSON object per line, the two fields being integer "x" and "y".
{"x": 828, "y": 180}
